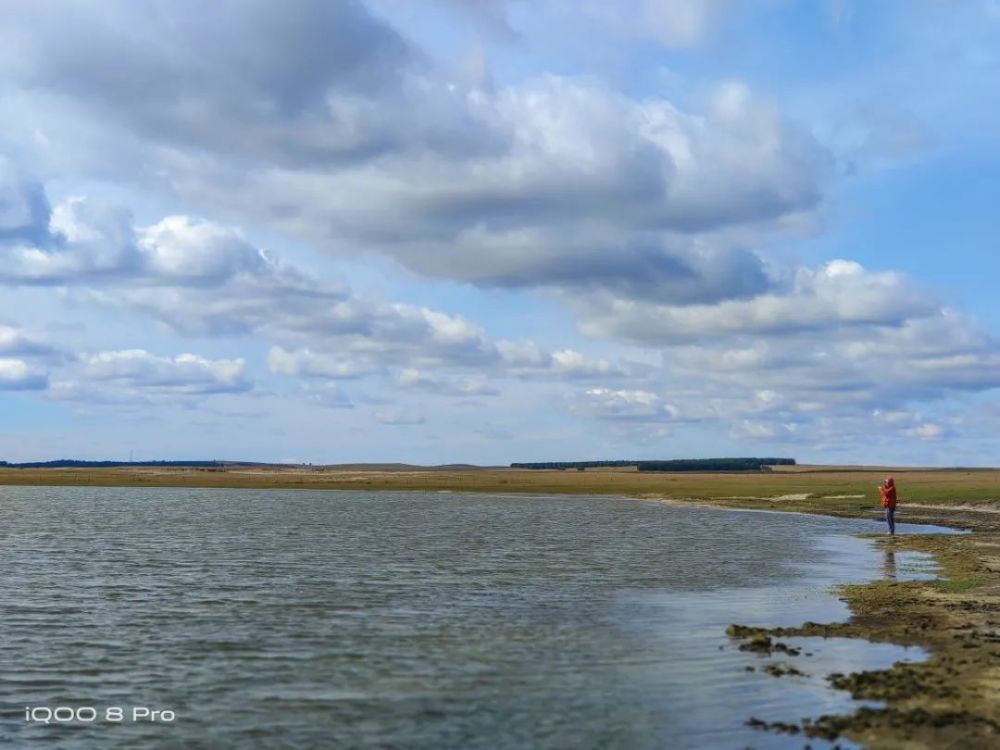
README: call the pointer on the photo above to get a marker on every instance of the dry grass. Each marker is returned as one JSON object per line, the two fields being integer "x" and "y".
{"x": 822, "y": 485}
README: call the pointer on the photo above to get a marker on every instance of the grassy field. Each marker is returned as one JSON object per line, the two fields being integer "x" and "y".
{"x": 826, "y": 487}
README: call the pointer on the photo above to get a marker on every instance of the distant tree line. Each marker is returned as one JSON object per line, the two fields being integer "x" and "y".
{"x": 715, "y": 464}
{"x": 572, "y": 464}
{"x": 677, "y": 464}
{"x": 68, "y": 463}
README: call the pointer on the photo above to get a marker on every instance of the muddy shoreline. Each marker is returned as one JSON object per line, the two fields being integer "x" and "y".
{"x": 953, "y": 698}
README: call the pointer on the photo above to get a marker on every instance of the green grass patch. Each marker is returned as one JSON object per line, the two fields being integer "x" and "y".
{"x": 958, "y": 585}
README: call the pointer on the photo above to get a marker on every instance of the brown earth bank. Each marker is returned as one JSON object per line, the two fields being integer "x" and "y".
{"x": 950, "y": 701}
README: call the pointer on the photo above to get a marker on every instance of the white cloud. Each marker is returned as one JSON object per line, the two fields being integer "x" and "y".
{"x": 925, "y": 431}
{"x": 650, "y": 217}
{"x": 839, "y": 295}
{"x": 88, "y": 240}
{"x": 526, "y": 359}
{"x": 183, "y": 374}
{"x": 417, "y": 380}
{"x": 552, "y": 181}
{"x": 182, "y": 248}
{"x": 624, "y": 405}
{"x": 16, "y": 375}
{"x": 203, "y": 279}
{"x": 593, "y": 189}
{"x": 307, "y": 363}
{"x": 574, "y": 364}
{"x": 14, "y": 341}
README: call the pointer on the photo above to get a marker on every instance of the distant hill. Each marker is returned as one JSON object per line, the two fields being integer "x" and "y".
{"x": 71, "y": 463}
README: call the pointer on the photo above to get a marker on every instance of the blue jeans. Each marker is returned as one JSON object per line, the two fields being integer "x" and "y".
{"x": 890, "y": 518}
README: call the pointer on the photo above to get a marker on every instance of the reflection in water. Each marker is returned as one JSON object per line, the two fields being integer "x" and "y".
{"x": 418, "y": 620}
{"x": 889, "y": 564}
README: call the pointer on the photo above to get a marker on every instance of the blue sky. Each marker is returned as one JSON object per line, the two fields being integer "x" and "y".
{"x": 499, "y": 230}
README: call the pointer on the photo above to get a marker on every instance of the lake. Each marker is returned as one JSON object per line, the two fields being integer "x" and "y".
{"x": 420, "y": 620}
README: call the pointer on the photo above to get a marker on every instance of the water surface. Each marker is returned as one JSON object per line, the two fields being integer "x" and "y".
{"x": 427, "y": 620}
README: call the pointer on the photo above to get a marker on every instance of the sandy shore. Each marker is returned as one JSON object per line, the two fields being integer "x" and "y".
{"x": 951, "y": 700}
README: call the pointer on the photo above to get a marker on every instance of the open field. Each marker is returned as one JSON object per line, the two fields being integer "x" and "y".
{"x": 827, "y": 488}
{"x": 951, "y": 700}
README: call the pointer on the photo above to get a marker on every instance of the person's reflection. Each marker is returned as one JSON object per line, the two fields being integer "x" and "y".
{"x": 889, "y": 564}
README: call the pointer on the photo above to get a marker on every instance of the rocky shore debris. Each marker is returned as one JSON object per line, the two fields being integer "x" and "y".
{"x": 783, "y": 670}
{"x": 758, "y": 641}
{"x": 806, "y": 727}
{"x": 811, "y": 629}
{"x": 900, "y": 682}
{"x": 831, "y": 728}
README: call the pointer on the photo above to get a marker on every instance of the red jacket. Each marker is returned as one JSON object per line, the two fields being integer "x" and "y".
{"x": 888, "y": 493}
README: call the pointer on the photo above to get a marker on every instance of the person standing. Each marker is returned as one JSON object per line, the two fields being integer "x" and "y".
{"x": 888, "y": 491}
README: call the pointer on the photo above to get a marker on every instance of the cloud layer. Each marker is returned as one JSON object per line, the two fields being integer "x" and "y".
{"x": 267, "y": 207}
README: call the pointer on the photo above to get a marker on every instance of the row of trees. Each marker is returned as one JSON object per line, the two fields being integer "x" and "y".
{"x": 677, "y": 464}
{"x": 572, "y": 464}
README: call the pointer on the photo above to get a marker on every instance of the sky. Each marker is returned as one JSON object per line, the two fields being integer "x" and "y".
{"x": 489, "y": 231}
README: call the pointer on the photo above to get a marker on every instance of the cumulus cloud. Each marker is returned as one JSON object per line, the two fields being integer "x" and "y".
{"x": 595, "y": 190}
{"x": 624, "y": 405}
{"x": 647, "y": 217}
{"x": 15, "y": 342}
{"x": 233, "y": 78}
{"x": 291, "y": 116}
{"x": 834, "y": 385}
{"x": 417, "y": 380}
{"x": 18, "y": 375}
{"x": 922, "y": 358}
{"x": 203, "y": 279}
{"x": 188, "y": 374}
{"x": 926, "y": 431}
{"x": 809, "y": 341}
{"x": 527, "y": 360}
{"x": 25, "y": 360}
{"x": 310, "y": 364}
{"x": 179, "y": 247}
{"x": 82, "y": 239}
{"x": 87, "y": 239}
{"x": 840, "y": 294}
{"x": 831, "y": 354}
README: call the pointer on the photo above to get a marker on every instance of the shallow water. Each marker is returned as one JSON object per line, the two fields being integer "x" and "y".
{"x": 311, "y": 619}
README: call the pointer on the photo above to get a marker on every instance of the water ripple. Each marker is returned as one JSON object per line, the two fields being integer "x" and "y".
{"x": 301, "y": 619}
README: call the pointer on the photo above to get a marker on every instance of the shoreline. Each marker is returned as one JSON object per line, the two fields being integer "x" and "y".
{"x": 950, "y": 700}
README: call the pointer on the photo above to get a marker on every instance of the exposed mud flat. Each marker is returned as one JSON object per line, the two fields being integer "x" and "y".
{"x": 951, "y": 700}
